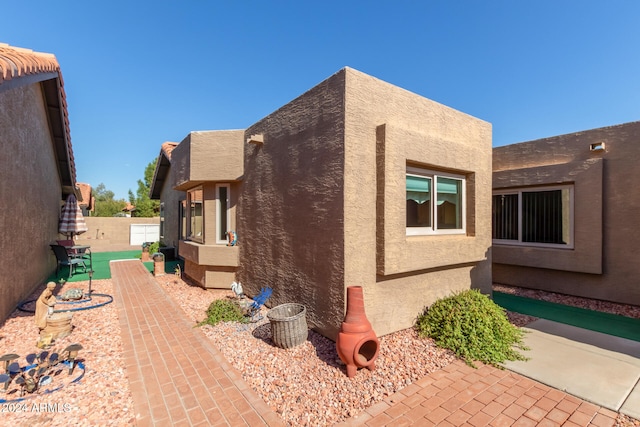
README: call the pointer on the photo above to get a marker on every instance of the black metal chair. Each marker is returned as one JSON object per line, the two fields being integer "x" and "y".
{"x": 64, "y": 259}
{"x": 75, "y": 252}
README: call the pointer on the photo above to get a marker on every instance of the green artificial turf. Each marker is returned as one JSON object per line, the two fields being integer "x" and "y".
{"x": 611, "y": 324}
{"x": 101, "y": 270}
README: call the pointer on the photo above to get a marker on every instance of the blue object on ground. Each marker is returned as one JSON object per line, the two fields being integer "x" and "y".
{"x": 258, "y": 301}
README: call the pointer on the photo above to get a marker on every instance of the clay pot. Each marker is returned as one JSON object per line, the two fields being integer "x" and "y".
{"x": 357, "y": 343}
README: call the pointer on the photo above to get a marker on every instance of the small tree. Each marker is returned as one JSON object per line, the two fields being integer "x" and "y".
{"x": 145, "y": 207}
{"x": 105, "y": 204}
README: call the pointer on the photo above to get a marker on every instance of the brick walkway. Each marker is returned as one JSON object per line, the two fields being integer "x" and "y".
{"x": 178, "y": 378}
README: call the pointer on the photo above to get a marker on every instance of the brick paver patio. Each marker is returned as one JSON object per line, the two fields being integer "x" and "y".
{"x": 178, "y": 378}
{"x": 459, "y": 395}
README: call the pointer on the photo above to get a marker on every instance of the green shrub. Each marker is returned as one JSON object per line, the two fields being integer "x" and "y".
{"x": 473, "y": 327}
{"x": 223, "y": 310}
{"x": 154, "y": 247}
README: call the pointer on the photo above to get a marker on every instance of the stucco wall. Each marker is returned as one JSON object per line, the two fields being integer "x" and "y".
{"x": 205, "y": 159}
{"x": 291, "y": 207}
{"x": 111, "y": 233}
{"x": 388, "y": 128}
{"x": 30, "y": 195}
{"x": 310, "y": 216}
{"x": 606, "y": 214}
{"x": 208, "y": 156}
{"x": 171, "y": 199}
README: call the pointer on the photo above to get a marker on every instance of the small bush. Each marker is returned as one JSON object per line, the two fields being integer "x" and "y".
{"x": 473, "y": 327}
{"x": 154, "y": 247}
{"x": 223, "y": 311}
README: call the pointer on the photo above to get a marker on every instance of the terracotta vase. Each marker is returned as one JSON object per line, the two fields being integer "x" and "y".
{"x": 357, "y": 343}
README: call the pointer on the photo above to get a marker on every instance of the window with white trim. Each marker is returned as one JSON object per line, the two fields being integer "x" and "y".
{"x": 435, "y": 202}
{"x": 161, "y": 220}
{"x": 182, "y": 213}
{"x": 223, "y": 212}
{"x": 541, "y": 216}
{"x": 195, "y": 223}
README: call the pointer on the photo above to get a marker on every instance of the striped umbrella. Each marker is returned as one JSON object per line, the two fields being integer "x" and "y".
{"x": 71, "y": 219}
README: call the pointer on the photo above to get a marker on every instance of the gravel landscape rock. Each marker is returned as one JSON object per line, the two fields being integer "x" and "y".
{"x": 305, "y": 385}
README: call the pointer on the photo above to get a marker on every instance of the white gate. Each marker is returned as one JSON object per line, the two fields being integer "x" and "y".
{"x": 140, "y": 233}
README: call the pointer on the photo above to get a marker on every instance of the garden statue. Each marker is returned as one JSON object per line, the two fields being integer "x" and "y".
{"x": 44, "y": 305}
{"x": 52, "y": 325}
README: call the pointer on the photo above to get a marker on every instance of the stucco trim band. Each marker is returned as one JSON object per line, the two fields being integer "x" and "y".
{"x": 399, "y": 253}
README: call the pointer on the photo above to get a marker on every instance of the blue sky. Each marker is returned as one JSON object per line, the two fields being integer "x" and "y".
{"x": 138, "y": 73}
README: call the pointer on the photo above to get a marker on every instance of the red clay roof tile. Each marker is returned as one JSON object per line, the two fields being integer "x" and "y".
{"x": 17, "y": 62}
{"x": 85, "y": 194}
{"x": 168, "y": 147}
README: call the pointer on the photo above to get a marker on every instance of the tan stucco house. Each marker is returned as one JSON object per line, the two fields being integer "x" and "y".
{"x": 172, "y": 202}
{"x": 566, "y": 214}
{"x": 37, "y": 168}
{"x": 356, "y": 182}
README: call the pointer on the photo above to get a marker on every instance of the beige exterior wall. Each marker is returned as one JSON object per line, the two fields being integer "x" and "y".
{"x": 171, "y": 211}
{"x": 210, "y": 277}
{"x": 291, "y": 206}
{"x": 322, "y": 204}
{"x": 206, "y": 159}
{"x": 208, "y": 156}
{"x": 107, "y": 233}
{"x": 387, "y": 129}
{"x": 604, "y": 261}
{"x": 30, "y": 195}
{"x": 171, "y": 227}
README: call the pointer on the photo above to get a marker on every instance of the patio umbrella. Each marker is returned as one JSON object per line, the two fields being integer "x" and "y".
{"x": 71, "y": 219}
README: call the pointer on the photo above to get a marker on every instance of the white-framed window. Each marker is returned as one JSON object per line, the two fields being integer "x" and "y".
{"x": 182, "y": 213}
{"x": 223, "y": 212}
{"x": 195, "y": 223}
{"x": 536, "y": 216}
{"x": 161, "y": 220}
{"x": 435, "y": 202}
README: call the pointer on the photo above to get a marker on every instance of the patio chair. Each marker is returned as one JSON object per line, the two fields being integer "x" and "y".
{"x": 258, "y": 301}
{"x": 63, "y": 258}
{"x": 74, "y": 252}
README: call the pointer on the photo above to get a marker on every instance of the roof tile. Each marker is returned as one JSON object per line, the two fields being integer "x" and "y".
{"x": 168, "y": 147}
{"x": 17, "y": 62}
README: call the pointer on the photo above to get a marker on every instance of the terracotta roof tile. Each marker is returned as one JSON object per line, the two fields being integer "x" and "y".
{"x": 168, "y": 147}
{"x": 162, "y": 168}
{"x": 16, "y": 62}
{"x": 85, "y": 194}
